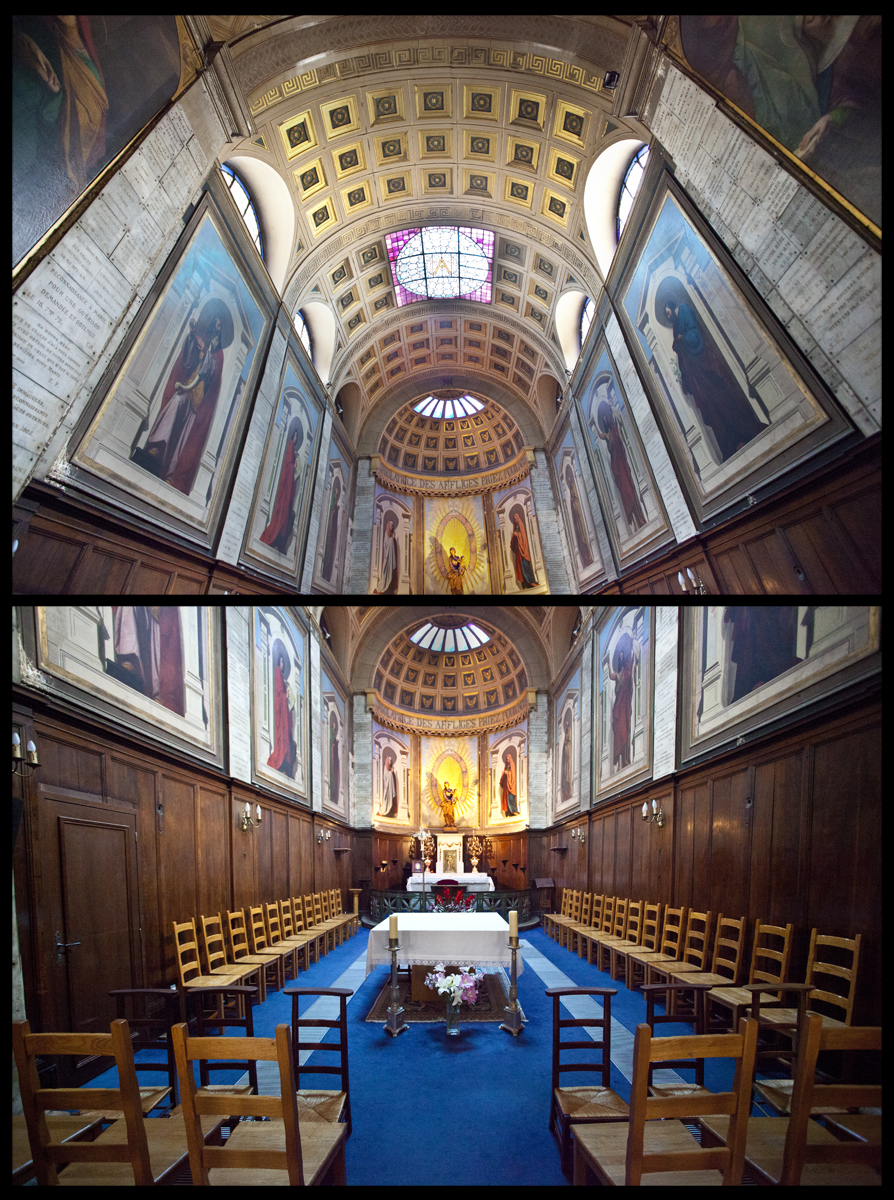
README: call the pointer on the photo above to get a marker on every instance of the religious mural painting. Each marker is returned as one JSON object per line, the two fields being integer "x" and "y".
{"x": 279, "y": 699}
{"x": 583, "y": 546}
{"x": 335, "y": 740}
{"x": 280, "y": 512}
{"x": 734, "y": 409}
{"x": 334, "y": 538}
{"x": 508, "y": 768}
{"x": 566, "y": 745}
{"x": 391, "y": 799}
{"x": 631, "y": 505}
{"x": 82, "y": 88}
{"x": 151, "y": 667}
{"x": 456, "y": 562}
{"x": 390, "y": 572}
{"x": 168, "y": 425}
{"x": 813, "y": 84}
{"x": 624, "y": 695}
{"x": 521, "y": 557}
{"x": 747, "y": 666}
{"x": 449, "y": 783}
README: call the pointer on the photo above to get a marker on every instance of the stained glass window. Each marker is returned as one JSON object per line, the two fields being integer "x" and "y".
{"x": 467, "y": 637}
{"x": 630, "y": 185}
{"x": 464, "y": 406}
{"x": 441, "y": 261}
{"x": 243, "y": 202}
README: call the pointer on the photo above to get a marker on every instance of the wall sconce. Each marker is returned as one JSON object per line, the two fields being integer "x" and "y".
{"x": 30, "y": 750}
{"x": 695, "y": 580}
{"x": 657, "y": 815}
{"x": 323, "y": 835}
{"x": 579, "y": 833}
{"x": 245, "y": 819}
{"x": 383, "y": 866}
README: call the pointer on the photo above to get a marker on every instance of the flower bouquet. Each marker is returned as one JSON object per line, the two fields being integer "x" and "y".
{"x": 456, "y": 989}
{"x": 443, "y": 904}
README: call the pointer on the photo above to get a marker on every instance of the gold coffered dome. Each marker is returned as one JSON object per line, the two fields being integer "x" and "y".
{"x": 479, "y": 677}
{"x": 463, "y": 445}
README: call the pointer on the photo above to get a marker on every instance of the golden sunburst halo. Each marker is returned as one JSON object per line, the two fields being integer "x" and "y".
{"x": 453, "y": 761}
{"x": 457, "y": 524}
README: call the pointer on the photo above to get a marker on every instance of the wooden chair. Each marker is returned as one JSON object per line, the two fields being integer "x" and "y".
{"x": 550, "y": 918}
{"x": 604, "y": 929}
{"x": 268, "y": 960}
{"x": 671, "y": 942}
{"x": 588, "y": 1104}
{"x": 189, "y": 968}
{"x": 317, "y": 937}
{"x": 633, "y": 931}
{"x": 299, "y": 938}
{"x": 257, "y": 929}
{"x": 586, "y": 916}
{"x": 650, "y": 943}
{"x": 566, "y": 916}
{"x": 274, "y": 1151}
{"x": 62, "y": 1128}
{"x": 313, "y": 919}
{"x": 150, "y": 1030}
{"x": 792, "y": 1150}
{"x": 334, "y": 923}
{"x": 726, "y": 965}
{"x": 664, "y": 1150}
{"x": 769, "y": 964}
{"x": 322, "y": 1104}
{"x": 322, "y": 921}
{"x": 564, "y": 926}
{"x": 351, "y": 919}
{"x": 618, "y": 933}
{"x": 595, "y": 922}
{"x": 652, "y": 991}
{"x": 131, "y": 1151}
{"x": 696, "y": 948}
{"x": 204, "y": 1022}
{"x": 245, "y": 974}
{"x": 275, "y": 939}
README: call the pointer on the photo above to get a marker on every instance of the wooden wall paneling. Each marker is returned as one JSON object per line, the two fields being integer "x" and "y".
{"x": 176, "y": 860}
{"x": 775, "y": 868}
{"x": 846, "y": 850}
{"x": 278, "y": 883}
{"x": 244, "y": 856}
{"x": 730, "y": 848}
{"x": 213, "y": 850}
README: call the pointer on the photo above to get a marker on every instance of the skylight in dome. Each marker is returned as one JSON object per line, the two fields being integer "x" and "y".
{"x": 467, "y": 637}
{"x": 434, "y": 408}
{"x": 440, "y": 262}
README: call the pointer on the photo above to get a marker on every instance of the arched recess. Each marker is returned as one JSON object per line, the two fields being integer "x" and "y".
{"x": 338, "y": 625}
{"x": 548, "y": 389}
{"x": 350, "y": 400}
{"x": 568, "y": 309}
{"x": 384, "y": 625}
{"x": 601, "y": 193}
{"x": 565, "y": 618}
{"x": 275, "y": 209}
{"x": 321, "y": 324}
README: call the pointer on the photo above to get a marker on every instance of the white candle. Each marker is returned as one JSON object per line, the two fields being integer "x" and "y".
{"x": 258, "y": 810}
{"x": 247, "y": 806}
{"x": 645, "y": 810}
{"x": 392, "y": 927}
{"x": 513, "y": 926}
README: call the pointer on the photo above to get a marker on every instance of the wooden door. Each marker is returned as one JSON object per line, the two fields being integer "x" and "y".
{"x": 97, "y": 947}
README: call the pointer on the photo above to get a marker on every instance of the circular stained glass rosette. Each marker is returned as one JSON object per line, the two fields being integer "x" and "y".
{"x": 441, "y": 262}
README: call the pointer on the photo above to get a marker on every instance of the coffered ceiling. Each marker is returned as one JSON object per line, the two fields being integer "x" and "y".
{"x": 382, "y": 123}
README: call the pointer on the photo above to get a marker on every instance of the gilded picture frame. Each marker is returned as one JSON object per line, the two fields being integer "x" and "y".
{"x": 623, "y": 680}
{"x": 280, "y": 695}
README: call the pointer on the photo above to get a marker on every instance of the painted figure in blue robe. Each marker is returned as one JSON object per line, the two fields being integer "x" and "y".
{"x": 707, "y": 378}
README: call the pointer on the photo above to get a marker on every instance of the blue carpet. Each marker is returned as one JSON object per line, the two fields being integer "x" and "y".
{"x": 466, "y": 1111}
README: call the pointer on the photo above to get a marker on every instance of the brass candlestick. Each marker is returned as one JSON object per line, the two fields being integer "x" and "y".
{"x": 395, "y": 1023}
{"x": 513, "y": 1022}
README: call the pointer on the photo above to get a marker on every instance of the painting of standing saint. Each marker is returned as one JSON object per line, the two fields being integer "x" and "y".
{"x": 624, "y": 700}
{"x": 167, "y": 429}
{"x": 734, "y": 409}
{"x": 279, "y": 698}
{"x": 745, "y": 667}
{"x": 335, "y": 775}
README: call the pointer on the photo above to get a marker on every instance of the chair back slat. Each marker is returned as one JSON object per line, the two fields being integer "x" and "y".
{"x": 608, "y": 914}
{"x": 620, "y": 921}
{"x": 730, "y": 1159}
{"x": 257, "y": 929}
{"x": 651, "y": 927}
{"x": 671, "y": 938}
{"x": 698, "y": 934}
{"x": 817, "y": 970}
{"x": 186, "y": 948}
{"x": 776, "y": 956}
{"x": 634, "y": 922}
{"x": 729, "y": 940}
{"x": 603, "y": 1023}
{"x": 36, "y": 1100}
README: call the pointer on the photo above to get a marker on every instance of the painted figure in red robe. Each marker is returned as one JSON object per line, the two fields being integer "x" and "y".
{"x": 622, "y": 706}
{"x": 508, "y": 786}
{"x": 524, "y": 568}
{"x": 282, "y": 520}
{"x": 283, "y": 755}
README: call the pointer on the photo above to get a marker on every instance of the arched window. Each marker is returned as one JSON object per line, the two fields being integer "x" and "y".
{"x": 586, "y": 320}
{"x": 303, "y": 331}
{"x": 244, "y": 203}
{"x": 630, "y": 186}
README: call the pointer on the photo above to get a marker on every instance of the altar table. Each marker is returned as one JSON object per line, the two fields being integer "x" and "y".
{"x": 481, "y": 939}
{"x": 469, "y": 881}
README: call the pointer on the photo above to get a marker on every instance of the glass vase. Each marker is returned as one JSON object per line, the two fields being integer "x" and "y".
{"x": 452, "y": 1020}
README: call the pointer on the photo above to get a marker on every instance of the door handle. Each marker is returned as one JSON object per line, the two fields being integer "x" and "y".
{"x": 60, "y": 946}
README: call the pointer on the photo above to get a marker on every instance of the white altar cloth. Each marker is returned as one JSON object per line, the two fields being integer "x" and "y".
{"x": 451, "y": 938}
{"x": 470, "y": 881}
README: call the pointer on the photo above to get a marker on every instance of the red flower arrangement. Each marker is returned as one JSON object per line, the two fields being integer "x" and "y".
{"x": 443, "y": 904}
